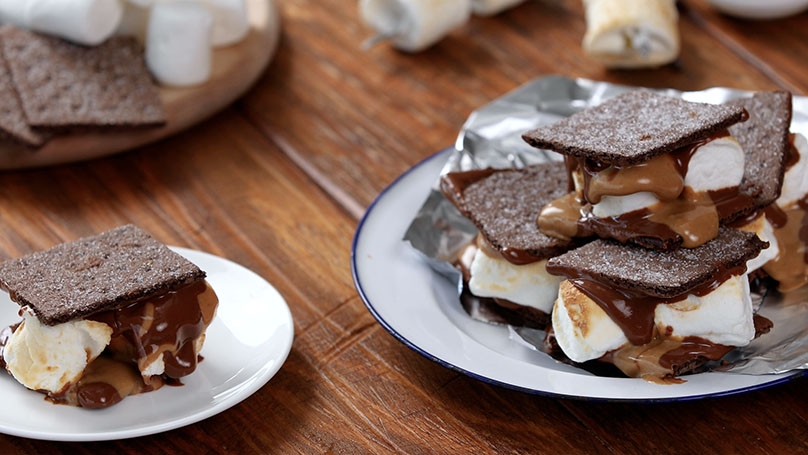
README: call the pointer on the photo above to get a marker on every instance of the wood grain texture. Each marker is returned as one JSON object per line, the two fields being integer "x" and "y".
{"x": 277, "y": 182}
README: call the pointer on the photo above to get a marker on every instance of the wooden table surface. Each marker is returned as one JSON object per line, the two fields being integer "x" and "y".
{"x": 278, "y": 181}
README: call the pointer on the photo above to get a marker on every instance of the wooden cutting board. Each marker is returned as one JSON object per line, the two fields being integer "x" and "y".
{"x": 235, "y": 69}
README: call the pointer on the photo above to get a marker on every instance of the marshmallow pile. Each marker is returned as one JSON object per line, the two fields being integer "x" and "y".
{"x": 414, "y": 25}
{"x": 178, "y": 35}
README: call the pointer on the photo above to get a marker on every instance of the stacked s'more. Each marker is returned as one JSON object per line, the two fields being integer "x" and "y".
{"x": 638, "y": 248}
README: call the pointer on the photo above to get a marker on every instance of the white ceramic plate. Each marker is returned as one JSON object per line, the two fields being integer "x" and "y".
{"x": 245, "y": 346}
{"x": 421, "y": 309}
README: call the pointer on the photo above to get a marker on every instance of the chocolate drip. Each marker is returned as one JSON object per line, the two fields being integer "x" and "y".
{"x": 684, "y": 218}
{"x": 166, "y": 324}
{"x": 454, "y": 184}
{"x": 632, "y": 310}
{"x": 692, "y": 349}
{"x": 5, "y": 334}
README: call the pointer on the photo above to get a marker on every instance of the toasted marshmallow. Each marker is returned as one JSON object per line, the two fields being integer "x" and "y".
{"x": 87, "y": 22}
{"x": 582, "y": 329}
{"x": 795, "y": 182}
{"x": 178, "y": 48}
{"x": 631, "y": 33}
{"x": 715, "y": 165}
{"x": 414, "y": 25}
{"x": 528, "y": 284}
{"x": 765, "y": 231}
{"x": 724, "y": 316}
{"x": 51, "y": 358}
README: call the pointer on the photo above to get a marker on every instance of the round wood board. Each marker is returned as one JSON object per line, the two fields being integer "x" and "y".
{"x": 235, "y": 70}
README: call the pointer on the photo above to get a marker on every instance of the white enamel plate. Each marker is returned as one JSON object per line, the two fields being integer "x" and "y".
{"x": 245, "y": 346}
{"x": 421, "y": 309}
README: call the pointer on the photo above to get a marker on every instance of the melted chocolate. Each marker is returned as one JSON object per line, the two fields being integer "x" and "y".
{"x": 167, "y": 324}
{"x": 5, "y": 334}
{"x": 790, "y": 266}
{"x": 633, "y": 311}
{"x": 685, "y": 218}
{"x": 454, "y": 184}
{"x": 690, "y": 349}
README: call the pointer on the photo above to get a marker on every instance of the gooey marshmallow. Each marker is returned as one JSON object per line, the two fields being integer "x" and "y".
{"x": 724, "y": 316}
{"x": 527, "y": 284}
{"x": 51, "y": 358}
{"x": 715, "y": 165}
{"x": 87, "y": 22}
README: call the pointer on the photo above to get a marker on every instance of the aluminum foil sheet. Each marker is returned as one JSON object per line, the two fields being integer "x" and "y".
{"x": 491, "y": 137}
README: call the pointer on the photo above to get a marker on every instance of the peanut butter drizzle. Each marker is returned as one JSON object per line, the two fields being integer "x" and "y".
{"x": 661, "y": 359}
{"x": 562, "y": 218}
{"x": 660, "y": 176}
{"x": 682, "y": 213}
{"x": 693, "y": 216}
{"x": 790, "y": 266}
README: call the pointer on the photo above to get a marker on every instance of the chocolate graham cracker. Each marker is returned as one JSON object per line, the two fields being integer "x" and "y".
{"x": 504, "y": 203}
{"x": 634, "y": 127}
{"x": 657, "y": 274}
{"x": 92, "y": 274}
{"x": 63, "y": 85}
{"x": 13, "y": 124}
{"x": 764, "y": 139}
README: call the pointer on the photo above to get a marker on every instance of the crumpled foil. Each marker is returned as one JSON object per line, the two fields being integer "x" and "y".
{"x": 491, "y": 137}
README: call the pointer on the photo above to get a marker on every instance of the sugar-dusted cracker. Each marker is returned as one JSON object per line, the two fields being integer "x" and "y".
{"x": 63, "y": 85}
{"x": 634, "y": 127}
{"x": 13, "y": 124}
{"x": 102, "y": 272}
{"x": 653, "y": 273}
{"x": 764, "y": 139}
{"x": 505, "y": 203}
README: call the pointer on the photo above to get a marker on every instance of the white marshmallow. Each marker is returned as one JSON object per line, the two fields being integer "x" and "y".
{"x": 87, "y": 22}
{"x": 492, "y": 7}
{"x": 715, "y": 165}
{"x": 528, "y": 284}
{"x": 795, "y": 182}
{"x": 178, "y": 49}
{"x": 618, "y": 205}
{"x": 582, "y": 329}
{"x": 50, "y": 358}
{"x": 724, "y": 316}
{"x": 414, "y": 25}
